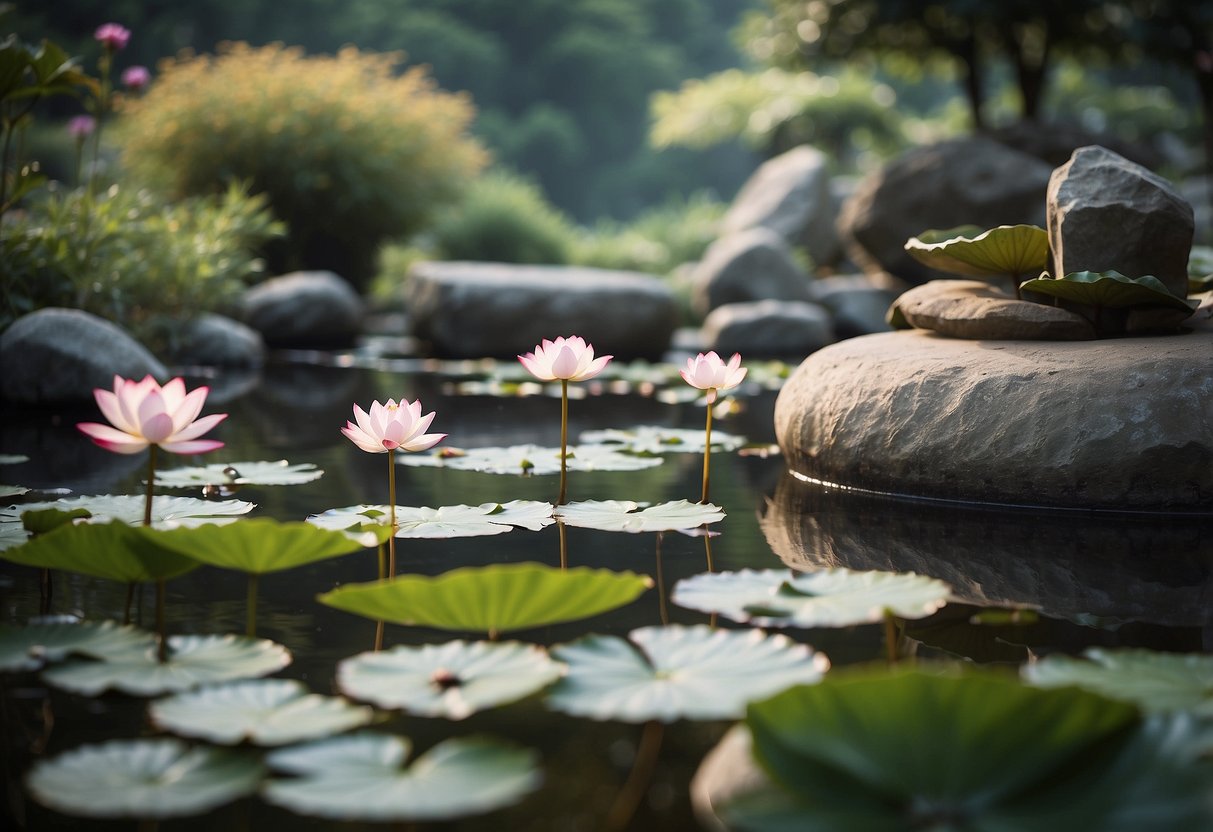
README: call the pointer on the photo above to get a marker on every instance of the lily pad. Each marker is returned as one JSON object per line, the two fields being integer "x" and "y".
{"x": 228, "y": 474}
{"x": 452, "y": 680}
{"x": 260, "y": 545}
{"x": 532, "y": 460}
{"x": 114, "y": 551}
{"x": 264, "y": 712}
{"x": 1155, "y": 682}
{"x": 13, "y": 459}
{"x": 145, "y": 779}
{"x": 53, "y": 638}
{"x": 655, "y": 439}
{"x": 491, "y": 599}
{"x": 12, "y": 491}
{"x": 363, "y": 777}
{"x": 442, "y": 522}
{"x": 1007, "y": 250}
{"x": 627, "y": 516}
{"x": 1109, "y": 289}
{"x": 671, "y": 673}
{"x": 826, "y": 598}
{"x": 192, "y": 661}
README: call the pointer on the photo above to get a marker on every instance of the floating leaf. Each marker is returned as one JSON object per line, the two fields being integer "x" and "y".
{"x": 655, "y": 439}
{"x": 54, "y": 637}
{"x": 49, "y": 519}
{"x": 452, "y": 680}
{"x": 491, "y": 599}
{"x": 145, "y": 779}
{"x": 239, "y": 473}
{"x": 1108, "y": 289}
{"x": 532, "y": 460}
{"x": 826, "y": 598}
{"x": 670, "y": 673}
{"x": 258, "y": 546}
{"x": 1155, "y": 682}
{"x": 114, "y": 551}
{"x": 443, "y": 522}
{"x": 363, "y": 778}
{"x": 627, "y": 516}
{"x": 264, "y": 712}
{"x": 1006, "y": 250}
{"x": 192, "y": 661}
{"x": 12, "y": 491}
{"x": 13, "y": 459}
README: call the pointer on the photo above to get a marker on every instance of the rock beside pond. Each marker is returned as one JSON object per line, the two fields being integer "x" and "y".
{"x": 470, "y": 310}
{"x": 1120, "y": 424}
{"x": 218, "y": 341}
{"x": 304, "y": 309}
{"x": 768, "y": 329}
{"x": 756, "y": 264}
{"x": 1105, "y": 212}
{"x": 974, "y": 309}
{"x": 858, "y": 303}
{"x": 60, "y": 355}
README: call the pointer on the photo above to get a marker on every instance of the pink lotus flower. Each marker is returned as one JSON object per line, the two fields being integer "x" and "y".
{"x": 80, "y": 126}
{"x": 709, "y": 372}
{"x": 143, "y": 413}
{"x": 113, "y": 36}
{"x": 392, "y": 426}
{"x": 566, "y": 359}
{"x": 135, "y": 78}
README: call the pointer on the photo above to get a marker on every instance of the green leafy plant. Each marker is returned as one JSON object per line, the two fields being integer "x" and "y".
{"x": 1107, "y": 290}
{"x": 1009, "y": 251}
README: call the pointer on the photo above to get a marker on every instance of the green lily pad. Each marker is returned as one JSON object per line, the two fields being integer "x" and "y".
{"x": 49, "y": 519}
{"x": 491, "y": 599}
{"x": 442, "y": 522}
{"x": 655, "y": 439}
{"x": 627, "y": 516}
{"x": 146, "y": 779}
{"x": 12, "y": 491}
{"x": 1108, "y": 289}
{"x": 532, "y": 460}
{"x": 13, "y": 459}
{"x": 228, "y": 474}
{"x": 1155, "y": 682}
{"x": 452, "y": 680}
{"x": 826, "y": 598}
{"x": 260, "y": 545}
{"x": 671, "y": 673}
{"x": 263, "y": 712}
{"x": 192, "y": 661}
{"x": 53, "y": 638}
{"x": 1003, "y": 251}
{"x": 115, "y": 551}
{"x": 363, "y": 778}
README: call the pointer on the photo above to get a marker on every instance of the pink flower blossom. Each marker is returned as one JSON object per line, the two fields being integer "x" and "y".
{"x": 143, "y": 413}
{"x": 113, "y": 36}
{"x": 566, "y": 359}
{"x": 80, "y": 126}
{"x": 390, "y": 427}
{"x": 135, "y": 78}
{"x": 709, "y": 372}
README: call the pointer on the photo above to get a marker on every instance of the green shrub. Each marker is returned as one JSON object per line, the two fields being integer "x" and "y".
{"x": 127, "y": 256}
{"x": 657, "y": 241}
{"x": 349, "y": 153}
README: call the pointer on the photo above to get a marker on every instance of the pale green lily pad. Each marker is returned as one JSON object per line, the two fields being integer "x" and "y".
{"x": 671, "y": 673}
{"x": 263, "y": 712}
{"x": 12, "y": 534}
{"x": 1155, "y": 682}
{"x": 114, "y": 551}
{"x": 12, "y": 490}
{"x": 1003, "y": 251}
{"x": 53, "y": 638}
{"x": 627, "y": 516}
{"x": 13, "y": 459}
{"x": 826, "y": 598}
{"x": 531, "y": 460}
{"x": 363, "y": 778}
{"x": 146, "y": 779}
{"x": 1108, "y": 289}
{"x": 230, "y": 474}
{"x": 452, "y": 680}
{"x": 655, "y": 439}
{"x": 442, "y": 522}
{"x": 491, "y": 599}
{"x": 260, "y": 545}
{"x": 192, "y": 661}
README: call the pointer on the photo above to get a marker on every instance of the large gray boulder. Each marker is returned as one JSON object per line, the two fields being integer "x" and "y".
{"x": 1119, "y": 424}
{"x": 858, "y": 303}
{"x": 60, "y": 355}
{"x": 957, "y": 182}
{"x": 304, "y": 309}
{"x": 217, "y": 341}
{"x": 768, "y": 328}
{"x": 470, "y": 310}
{"x": 791, "y": 195}
{"x": 1105, "y": 212}
{"x": 756, "y": 264}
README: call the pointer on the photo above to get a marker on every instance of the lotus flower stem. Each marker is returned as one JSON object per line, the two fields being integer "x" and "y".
{"x": 707, "y": 451}
{"x": 151, "y": 484}
{"x": 250, "y": 607}
{"x": 382, "y": 561}
{"x": 638, "y": 781}
{"x": 162, "y": 641}
{"x": 46, "y": 591}
{"x": 130, "y": 596}
{"x": 564, "y": 545}
{"x": 391, "y": 489}
{"x": 378, "y": 635}
{"x": 707, "y": 547}
{"x": 564, "y": 439}
{"x": 662, "y": 609}
{"x": 891, "y": 638}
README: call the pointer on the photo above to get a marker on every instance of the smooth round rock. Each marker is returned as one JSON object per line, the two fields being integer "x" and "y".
{"x": 975, "y": 309}
{"x": 305, "y": 310}
{"x": 1120, "y": 424}
{"x": 768, "y": 328}
{"x": 218, "y": 341}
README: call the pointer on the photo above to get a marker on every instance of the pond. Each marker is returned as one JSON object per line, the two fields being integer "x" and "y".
{"x": 1080, "y": 580}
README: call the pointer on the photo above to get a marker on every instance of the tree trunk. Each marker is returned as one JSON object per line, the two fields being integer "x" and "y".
{"x": 966, "y": 52}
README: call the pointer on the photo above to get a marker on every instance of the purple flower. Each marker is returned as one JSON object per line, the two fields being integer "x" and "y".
{"x": 81, "y": 126}
{"x": 135, "y": 78}
{"x": 113, "y": 36}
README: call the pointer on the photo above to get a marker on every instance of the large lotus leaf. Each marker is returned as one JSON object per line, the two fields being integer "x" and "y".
{"x": 54, "y": 637}
{"x": 264, "y": 712}
{"x": 825, "y": 598}
{"x": 1110, "y": 289}
{"x": 1153, "y": 681}
{"x": 656, "y": 439}
{"x": 671, "y": 673}
{"x": 12, "y": 491}
{"x": 442, "y": 522}
{"x": 260, "y": 545}
{"x": 532, "y": 460}
{"x": 48, "y": 519}
{"x": 115, "y": 551}
{"x": 192, "y": 661}
{"x": 145, "y": 779}
{"x": 280, "y": 472}
{"x": 452, "y": 680}
{"x": 167, "y": 512}
{"x": 627, "y": 516}
{"x": 363, "y": 778}
{"x": 1005, "y": 250}
{"x": 491, "y": 599}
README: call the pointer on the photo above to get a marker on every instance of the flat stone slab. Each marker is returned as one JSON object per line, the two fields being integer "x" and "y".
{"x": 974, "y": 309}
{"x": 1120, "y": 424}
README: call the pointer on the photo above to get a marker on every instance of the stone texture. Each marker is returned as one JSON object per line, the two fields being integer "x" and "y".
{"x": 304, "y": 309}
{"x": 974, "y": 309}
{"x": 1105, "y": 212}
{"x": 791, "y": 195}
{"x": 957, "y": 182}
{"x": 470, "y": 310}
{"x": 768, "y": 328}
{"x": 1054, "y": 143}
{"x": 60, "y": 355}
{"x": 1120, "y": 424}
{"x": 218, "y": 341}
{"x": 858, "y": 303}
{"x": 756, "y": 264}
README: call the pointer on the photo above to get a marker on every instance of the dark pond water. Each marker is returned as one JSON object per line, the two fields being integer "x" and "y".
{"x": 1094, "y": 579}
